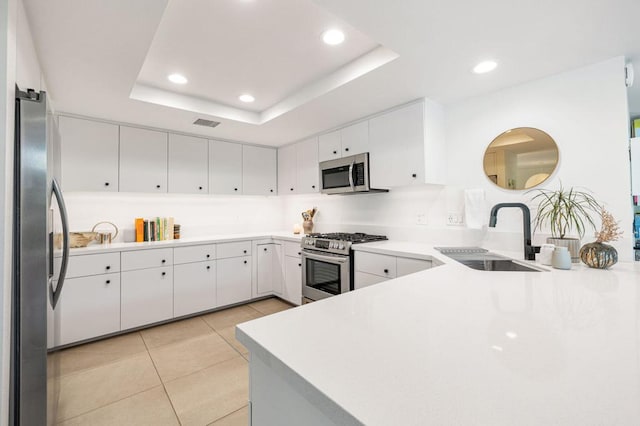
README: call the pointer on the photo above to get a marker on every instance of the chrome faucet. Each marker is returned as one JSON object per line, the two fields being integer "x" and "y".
{"x": 529, "y": 250}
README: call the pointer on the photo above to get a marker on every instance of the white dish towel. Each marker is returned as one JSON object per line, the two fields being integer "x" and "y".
{"x": 475, "y": 209}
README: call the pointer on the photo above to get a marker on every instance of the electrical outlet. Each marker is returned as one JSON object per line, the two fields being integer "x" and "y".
{"x": 455, "y": 219}
{"x": 421, "y": 219}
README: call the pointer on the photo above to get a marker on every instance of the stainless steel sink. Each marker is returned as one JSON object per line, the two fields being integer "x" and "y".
{"x": 483, "y": 260}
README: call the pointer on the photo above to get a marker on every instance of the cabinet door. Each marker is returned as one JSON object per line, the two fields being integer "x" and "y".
{"x": 329, "y": 146}
{"x": 406, "y": 266}
{"x": 287, "y": 170}
{"x": 363, "y": 279}
{"x": 292, "y": 291}
{"x": 194, "y": 288}
{"x": 225, "y": 167}
{"x": 90, "y": 307}
{"x": 259, "y": 170}
{"x": 143, "y": 160}
{"x": 188, "y": 164}
{"x": 270, "y": 275}
{"x": 396, "y": 147}
{"x": 355, "y": 139}
{"x": 233, "y": 280}
{"x": 147, "y": 296}
{"x": 307, "y": 166}
{"x": 89, "y": 155}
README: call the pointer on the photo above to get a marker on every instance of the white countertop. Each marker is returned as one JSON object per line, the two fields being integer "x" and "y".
{"x": 456, "y": 346}
{"x": 95, "y": 248}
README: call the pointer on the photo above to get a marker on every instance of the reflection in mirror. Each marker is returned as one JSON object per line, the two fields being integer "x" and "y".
{"x": 521, "y": 158}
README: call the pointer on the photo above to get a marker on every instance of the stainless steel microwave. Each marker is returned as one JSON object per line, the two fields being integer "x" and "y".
{"x": 346, "y": 175}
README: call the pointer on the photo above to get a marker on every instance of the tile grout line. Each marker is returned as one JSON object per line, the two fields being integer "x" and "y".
{"x": 227, "y": 415}
{"x": 161, "y": 381}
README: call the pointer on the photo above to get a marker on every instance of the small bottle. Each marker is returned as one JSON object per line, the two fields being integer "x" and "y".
{"x": 561, "y": 258}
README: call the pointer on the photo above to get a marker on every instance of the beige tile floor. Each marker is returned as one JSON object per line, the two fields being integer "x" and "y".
{"x": 189, "y": 372}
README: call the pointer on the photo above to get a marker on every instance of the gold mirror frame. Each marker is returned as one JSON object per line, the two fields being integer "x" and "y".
{"x": 521, "y": 158}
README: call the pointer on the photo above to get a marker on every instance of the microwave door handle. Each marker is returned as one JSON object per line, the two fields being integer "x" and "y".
{"x": 353, "y": 188}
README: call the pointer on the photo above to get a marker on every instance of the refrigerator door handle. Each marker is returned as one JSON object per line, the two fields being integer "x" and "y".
{"x": 54, "y": 294}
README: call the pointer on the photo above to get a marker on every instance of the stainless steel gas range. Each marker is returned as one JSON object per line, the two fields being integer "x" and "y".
{"x": 327, "y": 263}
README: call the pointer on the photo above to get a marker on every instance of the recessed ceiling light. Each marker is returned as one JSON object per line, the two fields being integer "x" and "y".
{"x": 177, "y": 78}
{"x": 246, "y": 98}
{"x": 485, "y": 66}
{"x": 333, "y": 37}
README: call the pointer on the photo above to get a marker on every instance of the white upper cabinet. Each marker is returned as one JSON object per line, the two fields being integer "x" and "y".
{"x": 307, "y": 166}
{"x": 298, "y": 168}
{"x": 225, "y": 167}
{"x": 329, "y": 146}
{"x": 287, "y": 170}
{"x": 396, "y": 147}
{"x": 355, "y": 138}
{"x": 188, "y": 164}
{"x": 407, "y": 146}
{"x": 143, "y": 160}
{"x": 89, "y": 154}
{"x": 259, "y": 170}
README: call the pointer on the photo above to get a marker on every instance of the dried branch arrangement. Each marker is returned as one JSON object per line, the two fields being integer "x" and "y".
{"x": 610, "y": 230}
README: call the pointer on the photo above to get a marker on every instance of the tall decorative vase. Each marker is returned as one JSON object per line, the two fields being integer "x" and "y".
{"x": 598, "y": 255}
{"x": 307, "y": 225}
{"x": 573, "y": 244}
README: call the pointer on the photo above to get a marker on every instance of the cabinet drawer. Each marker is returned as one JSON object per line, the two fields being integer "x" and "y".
{"x": 94, "y": 264}
{"x": 292, "y": 249}
{"x": 241, "y": 248}
{"x": 143, "y": 259}
{"x": 406, "y": 266}
{"x": 377, "y": 264}
{"x": 362, "y": 279}
{"x": 194, "y": 254}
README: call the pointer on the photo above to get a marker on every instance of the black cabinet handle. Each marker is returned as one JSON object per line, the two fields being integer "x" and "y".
{"x": 208, "y": 256}
{"x": 235, "y": 189}
{"x": 245, "y": 252}
{"x": 291, "y": 189}
{"x": 164, "y": 273}
{"x": 299, "y": 264}
{"x": 158, "y": 186}
{"x": 265, "y": 249}
{"x": 335, "y": 152}
{"x": 386, "y": 271}
{"x": 108, "y": 281}
{"x": 107, "y": 267}
{"x": 208, "y": 267}
{"x": 271, "y": 190}
{"x": 245, "y": 262}
{"x": 414, "y": 175}
{"x": 313, "y": 186}
{"x": 164, "y": 261}
{"x": 346, "y": 149}
{"x": 106, "y": 184}
{"x": 299, "y": 253}
{"x": 200, "y": 188}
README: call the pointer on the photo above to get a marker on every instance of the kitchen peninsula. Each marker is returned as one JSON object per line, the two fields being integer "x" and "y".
{"x": 451, "y": 345}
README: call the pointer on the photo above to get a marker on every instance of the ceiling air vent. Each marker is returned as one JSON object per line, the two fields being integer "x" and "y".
{"x": 208, "y": 123}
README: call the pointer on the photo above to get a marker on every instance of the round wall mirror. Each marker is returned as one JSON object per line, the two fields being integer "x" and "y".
{"x": 521, "y": 158}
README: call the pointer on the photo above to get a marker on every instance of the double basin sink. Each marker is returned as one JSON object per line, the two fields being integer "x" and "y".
{"x": 483, "y": 260}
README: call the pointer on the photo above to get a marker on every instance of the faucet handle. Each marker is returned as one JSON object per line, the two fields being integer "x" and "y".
{"x": 536, "y": 249}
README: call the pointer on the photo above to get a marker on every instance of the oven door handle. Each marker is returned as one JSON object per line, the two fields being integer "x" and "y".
{"x": 351, "y": 166}
{"x": 326, "y": 258}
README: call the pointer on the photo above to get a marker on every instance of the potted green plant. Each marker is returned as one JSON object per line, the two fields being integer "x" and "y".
{"x": 567, "y": 213}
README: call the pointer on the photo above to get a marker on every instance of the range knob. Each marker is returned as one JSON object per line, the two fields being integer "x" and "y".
{"x": 341, "y": 247}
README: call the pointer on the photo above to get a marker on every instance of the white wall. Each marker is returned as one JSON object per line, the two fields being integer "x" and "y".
{"x": 584, "y": 110}
{"x": 198, "y": 215}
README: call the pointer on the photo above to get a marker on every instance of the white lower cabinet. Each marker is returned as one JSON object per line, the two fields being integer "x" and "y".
{"x": 147, "y": 296}
{"x": 292, "y": 291}
{"x": 90, "y": 307}
{"x": 373, "y": 268}
{"x": 270, "y": 275}
{"x": 194, "y": 287}
{"x": 364, "y": 279}
{"x": 233, "y": 280}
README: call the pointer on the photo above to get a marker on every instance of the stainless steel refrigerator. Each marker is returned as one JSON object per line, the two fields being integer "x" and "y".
{"x": 37, "y": 287}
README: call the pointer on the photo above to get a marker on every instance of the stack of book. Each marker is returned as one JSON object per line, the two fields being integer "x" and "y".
{"x": 158, "y": 229}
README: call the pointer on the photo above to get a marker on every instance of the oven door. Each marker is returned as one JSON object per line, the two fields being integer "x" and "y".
{"x": 324, "y": 274}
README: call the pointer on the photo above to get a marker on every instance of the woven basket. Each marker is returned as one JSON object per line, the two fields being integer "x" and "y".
{"x": 76, "y": 239}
